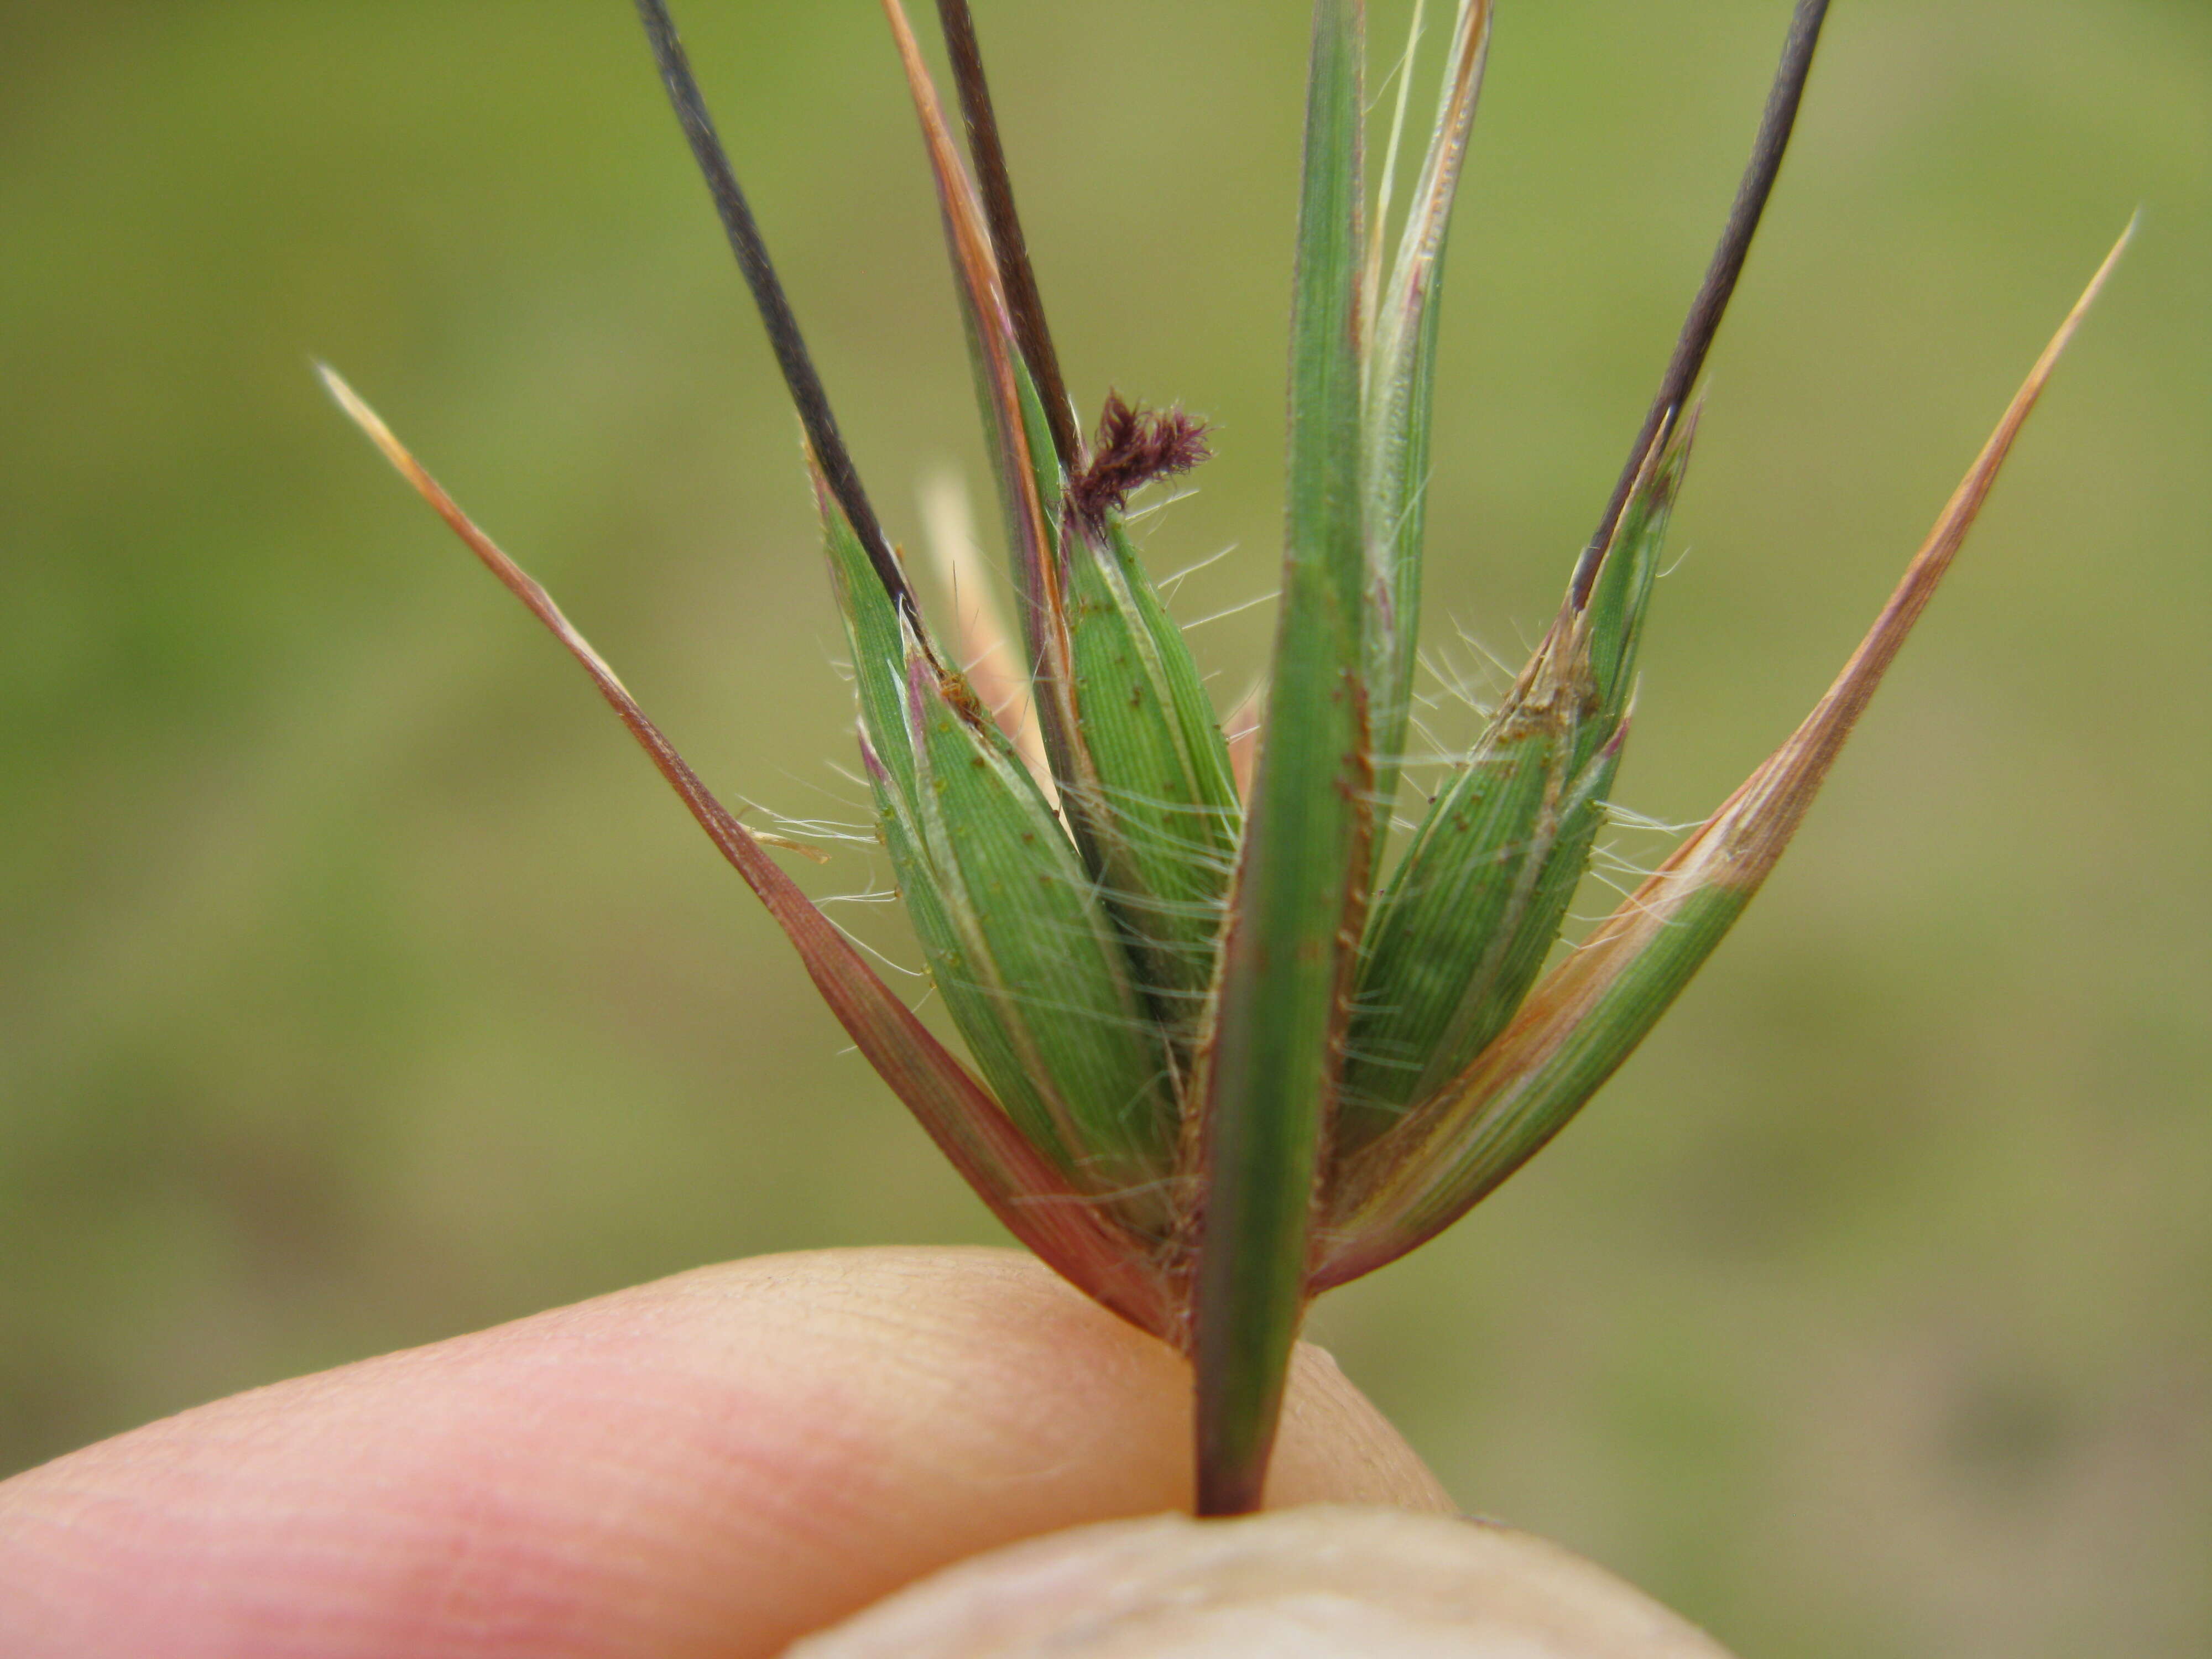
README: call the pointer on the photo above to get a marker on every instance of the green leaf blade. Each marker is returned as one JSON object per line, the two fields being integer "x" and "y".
{"x": 1299, "y": 892}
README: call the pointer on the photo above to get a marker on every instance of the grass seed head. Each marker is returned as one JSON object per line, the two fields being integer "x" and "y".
{"x": 1228, "y": 1055}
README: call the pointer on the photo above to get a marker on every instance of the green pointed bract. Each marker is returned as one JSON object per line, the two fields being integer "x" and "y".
{"x": 1300, "y": 886}
{"x": 1399, "y": 397}
{"x": 887, "y": 755}
{"x": 1151, "y": 797}
{"x": 1443, "y": 929}
{"x": 1035, "y": 941}
{"x": 1164, "y": 817}
{"x": 1451, "y": 1150}
{"x": 1462, "y": 929}
{"x": 876, "y": 642}
{"x": 1013, "y": 933}
{"x": 992, "y": 1044}
{"x": 1519, "y": 1093}
{"x": 1136, "y": 755}
{"x": 1198, "y": 740}
{"x": 1621, "y": 596}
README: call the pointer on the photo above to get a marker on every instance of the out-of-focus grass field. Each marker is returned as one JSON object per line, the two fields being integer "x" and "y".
{"x": 360, "y": 984}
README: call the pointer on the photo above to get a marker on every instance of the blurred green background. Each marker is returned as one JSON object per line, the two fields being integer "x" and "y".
{"x": 360, "y": 984}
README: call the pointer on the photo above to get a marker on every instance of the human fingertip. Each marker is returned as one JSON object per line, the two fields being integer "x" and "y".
{"x": 1348, "y": 1581}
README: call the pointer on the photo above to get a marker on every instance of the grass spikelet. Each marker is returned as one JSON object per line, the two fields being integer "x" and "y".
{"x": 1229, "y": 1054}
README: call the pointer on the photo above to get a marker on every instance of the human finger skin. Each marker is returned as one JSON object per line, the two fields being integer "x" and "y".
{"x": 713, "y": 1464}
{"x": 1327, "y": 1580}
